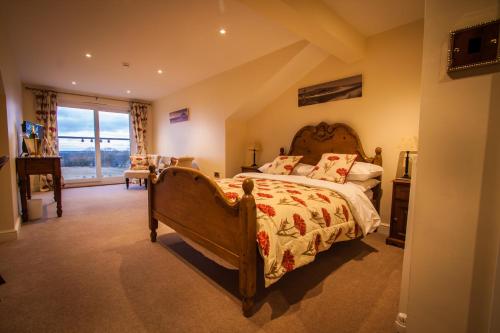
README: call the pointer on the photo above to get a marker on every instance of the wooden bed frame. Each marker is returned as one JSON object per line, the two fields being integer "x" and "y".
{"x": 194, "y": 205}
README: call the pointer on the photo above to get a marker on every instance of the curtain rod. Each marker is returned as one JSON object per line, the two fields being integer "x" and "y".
{"x": 83, "y": 95}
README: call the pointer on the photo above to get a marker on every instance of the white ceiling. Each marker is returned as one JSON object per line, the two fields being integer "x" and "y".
{"x": 371, "y": 17}
{"x": 50, "y": 39}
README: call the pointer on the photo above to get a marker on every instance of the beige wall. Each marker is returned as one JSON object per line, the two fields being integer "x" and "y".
{"x": 388, "y": 110}
{"x": 487, "y": 245}
{"x": 10, "y": 118}
{"x": 456, "y": 226}
{"x": 211, "y": 102}
{"x": 284, "y": 77}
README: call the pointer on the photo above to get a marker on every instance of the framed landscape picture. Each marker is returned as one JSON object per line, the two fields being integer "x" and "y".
{"x": 350, "y": 87}
{"x": 179, "y": 116}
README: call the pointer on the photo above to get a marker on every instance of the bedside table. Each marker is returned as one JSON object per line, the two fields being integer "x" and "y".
{"x": 250, "y": 169}
{"x": 399, "y": 212}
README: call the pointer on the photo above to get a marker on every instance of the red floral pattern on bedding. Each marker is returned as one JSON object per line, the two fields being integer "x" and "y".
{"x": 333, "y": 167}
{"x": 294, "y": 222}
{"x": 263, "y": 240}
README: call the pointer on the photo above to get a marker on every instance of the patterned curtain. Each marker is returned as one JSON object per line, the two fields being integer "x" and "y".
{"x": 139, "y": 114}
{"x": 46, "y": 115}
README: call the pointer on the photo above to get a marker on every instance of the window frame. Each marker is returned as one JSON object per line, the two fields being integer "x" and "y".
{"x": 96, "y": 108}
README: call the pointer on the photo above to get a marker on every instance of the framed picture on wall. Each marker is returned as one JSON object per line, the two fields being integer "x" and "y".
{"x": 179, "y": 116}
{"x": 349, "y": 87}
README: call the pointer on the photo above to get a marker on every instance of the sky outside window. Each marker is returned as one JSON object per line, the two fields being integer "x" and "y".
{"x": 77, "y": 122}
{"x": 114, "y": 125}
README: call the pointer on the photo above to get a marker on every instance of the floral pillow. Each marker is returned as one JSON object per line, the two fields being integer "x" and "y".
{"x": 333, "y": 167}
{"x": 283, "y": 165}
{"x": 139, "y": 162}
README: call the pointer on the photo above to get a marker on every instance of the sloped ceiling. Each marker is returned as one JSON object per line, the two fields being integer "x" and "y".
{"x": 50, "y": 39}
{"x": 371, "y": 17}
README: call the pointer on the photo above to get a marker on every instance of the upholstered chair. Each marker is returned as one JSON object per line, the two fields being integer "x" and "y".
{"x": 139, "y": 168}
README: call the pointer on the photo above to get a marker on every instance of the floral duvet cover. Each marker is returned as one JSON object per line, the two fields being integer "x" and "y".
{"x": 294, "y": 222}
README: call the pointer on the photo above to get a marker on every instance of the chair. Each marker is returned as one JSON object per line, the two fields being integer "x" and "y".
{"x": 139, "y": 168}
{"x": 185, "y": 162}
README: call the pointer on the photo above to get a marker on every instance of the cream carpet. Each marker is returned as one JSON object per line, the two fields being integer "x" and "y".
{"x": 95, "y": 270}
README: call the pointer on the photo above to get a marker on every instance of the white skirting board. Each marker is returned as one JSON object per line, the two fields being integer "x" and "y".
{"x": 383, "y": 229}
{"x": 12, "y": 234}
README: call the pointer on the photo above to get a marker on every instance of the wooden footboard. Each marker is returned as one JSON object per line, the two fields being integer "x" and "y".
{"x": 195, "y": 207}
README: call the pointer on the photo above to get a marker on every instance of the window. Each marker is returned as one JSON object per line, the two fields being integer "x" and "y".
{"x": 93, "y": 144}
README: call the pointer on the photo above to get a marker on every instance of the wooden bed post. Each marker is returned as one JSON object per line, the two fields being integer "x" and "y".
{"x": 378, "y": 156}
{"x": 248, "y": 256}
{"x": 153, "y": 223}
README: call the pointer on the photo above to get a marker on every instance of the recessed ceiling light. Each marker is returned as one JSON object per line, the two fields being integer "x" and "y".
{"x": 73, "y": 83}
{"x": 88, "y": 55}
{"x": 222, "y": 31}
{"x": 128, "y": 91}
{"x": 160, "y": 71}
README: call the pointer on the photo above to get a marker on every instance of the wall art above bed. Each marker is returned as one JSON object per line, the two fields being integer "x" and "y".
{"x": 179, "y": 116}
{"x": 350, "y": 87}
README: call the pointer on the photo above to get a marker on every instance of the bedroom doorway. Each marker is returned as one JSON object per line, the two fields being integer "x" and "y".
{"x": 94, "y": 145}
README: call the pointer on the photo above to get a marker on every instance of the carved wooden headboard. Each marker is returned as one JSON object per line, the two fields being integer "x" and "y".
{"x": 313, "y": 141}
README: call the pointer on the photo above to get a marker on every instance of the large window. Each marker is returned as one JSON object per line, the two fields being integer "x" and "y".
{"x": 93, "y": 144}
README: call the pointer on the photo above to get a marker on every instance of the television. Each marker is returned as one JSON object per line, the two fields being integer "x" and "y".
{"x": 32, "y": 137}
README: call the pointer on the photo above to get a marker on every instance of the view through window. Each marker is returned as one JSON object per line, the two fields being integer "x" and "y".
{"x": 93, "y": 144}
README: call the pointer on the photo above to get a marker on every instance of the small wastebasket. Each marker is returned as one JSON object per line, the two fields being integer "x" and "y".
{"x": 34, "y": 209}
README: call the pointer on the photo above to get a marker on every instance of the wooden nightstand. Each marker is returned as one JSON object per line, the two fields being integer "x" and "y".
{"x": 250, "y": 169}
{"x": 399, "y": 212}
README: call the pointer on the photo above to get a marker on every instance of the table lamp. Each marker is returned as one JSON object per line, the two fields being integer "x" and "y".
{"x": 408, "y": 144}
{"x": 254, "y": 147}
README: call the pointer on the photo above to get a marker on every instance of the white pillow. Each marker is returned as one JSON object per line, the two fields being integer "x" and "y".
{"x": 365, "y": 185}
{"x": 364, "y": 171}
{"x": 264, "y": 167}
{"x": 302, "y": 169}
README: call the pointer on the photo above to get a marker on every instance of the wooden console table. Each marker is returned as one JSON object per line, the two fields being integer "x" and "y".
{"x": 27, "y": 166}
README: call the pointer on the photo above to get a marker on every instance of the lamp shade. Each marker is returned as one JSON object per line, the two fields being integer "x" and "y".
{"x": 254, "y": 146}
{"x": 409, "y": 143}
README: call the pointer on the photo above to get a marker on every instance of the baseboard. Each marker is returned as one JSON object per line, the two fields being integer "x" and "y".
{"x": 400, "y": 323}
{"x": 12, "y": 234}
{"x": 383, "y": 229}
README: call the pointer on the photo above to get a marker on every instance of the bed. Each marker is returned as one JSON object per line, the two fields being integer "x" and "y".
{"x": 227, "y": 218}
